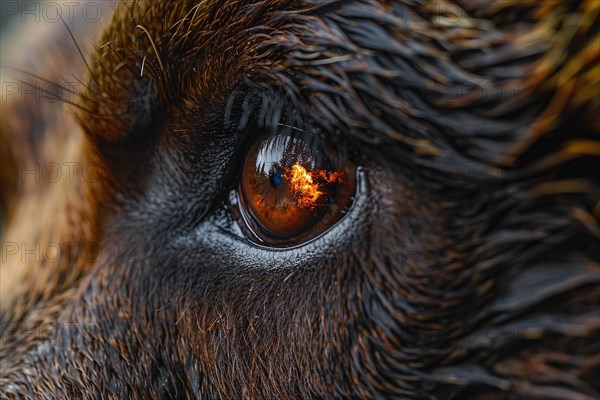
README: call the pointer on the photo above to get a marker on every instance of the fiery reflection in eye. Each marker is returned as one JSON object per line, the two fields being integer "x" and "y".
{"x": 308, "y": 187}
{"x": 292, "y": 190}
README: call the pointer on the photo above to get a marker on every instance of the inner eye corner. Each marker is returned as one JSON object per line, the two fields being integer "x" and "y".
{"x": 291, "y": 190}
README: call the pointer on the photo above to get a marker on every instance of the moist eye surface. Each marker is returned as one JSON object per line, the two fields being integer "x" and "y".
{"x": 291, "y": 190}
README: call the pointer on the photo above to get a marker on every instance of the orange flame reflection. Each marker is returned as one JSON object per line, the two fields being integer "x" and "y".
{"x": 308, "y": 186}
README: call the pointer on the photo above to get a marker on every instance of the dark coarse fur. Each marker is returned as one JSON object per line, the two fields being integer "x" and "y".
{"x": 468, "y": 267}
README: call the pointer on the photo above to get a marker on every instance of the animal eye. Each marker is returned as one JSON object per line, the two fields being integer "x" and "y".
{"x": 291, "y": 191}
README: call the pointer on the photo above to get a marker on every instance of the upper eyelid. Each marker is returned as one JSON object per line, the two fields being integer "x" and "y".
{"x": 251, "y": 105}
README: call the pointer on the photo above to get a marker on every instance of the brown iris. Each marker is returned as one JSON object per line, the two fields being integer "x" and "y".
{"x": 292, "y": 190}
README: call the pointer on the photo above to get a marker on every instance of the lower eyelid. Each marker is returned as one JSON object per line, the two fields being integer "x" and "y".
{"x": 344, "y": 226}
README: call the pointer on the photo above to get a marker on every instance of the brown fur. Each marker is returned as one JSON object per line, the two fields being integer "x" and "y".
{"x": 469, "y": 267}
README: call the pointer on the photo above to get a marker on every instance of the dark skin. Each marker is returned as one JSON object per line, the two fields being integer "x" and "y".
{"x": 467, "y": 266}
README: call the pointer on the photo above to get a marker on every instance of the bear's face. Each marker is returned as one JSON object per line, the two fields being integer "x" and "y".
{"x": 311, "y": 200}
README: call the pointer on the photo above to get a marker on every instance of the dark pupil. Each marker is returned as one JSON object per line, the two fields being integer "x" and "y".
{"x": 276, "y": 179}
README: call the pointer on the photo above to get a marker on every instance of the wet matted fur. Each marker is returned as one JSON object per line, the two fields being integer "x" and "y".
{"x": 467, "y": 268}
